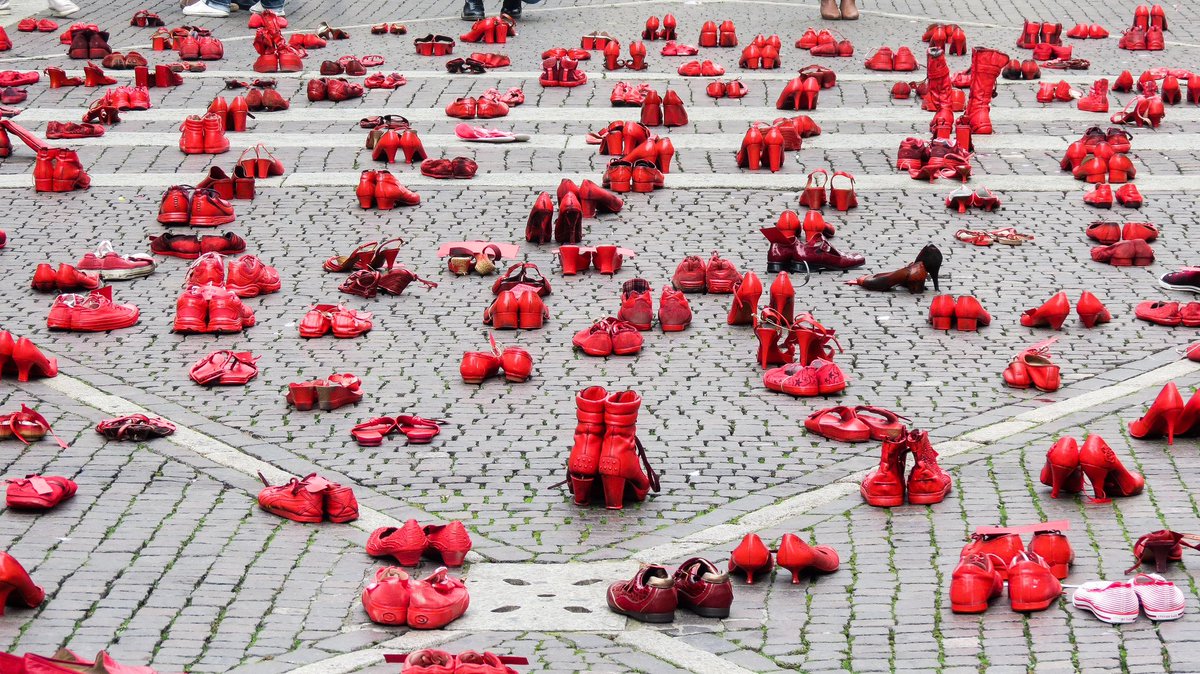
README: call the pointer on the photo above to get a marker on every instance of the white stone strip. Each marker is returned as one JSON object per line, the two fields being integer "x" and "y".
{"x": 677, "y": 652}
{"x": 761, "y": 180}
{"x": 911, "y": 114}
{"x": 356, "y": 660}
{"x": 206, "y": 446}
{"x": 1084, "y": 401}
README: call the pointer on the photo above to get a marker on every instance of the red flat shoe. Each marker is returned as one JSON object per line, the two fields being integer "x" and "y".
{"x": 751, "y": 556}
{"x": 838, "y": 423}
{"x": 1130, "y": 253}
{"x": 436, "y": 601}
{"x": 418, "y": 430}
{"x": 37, "y": 492}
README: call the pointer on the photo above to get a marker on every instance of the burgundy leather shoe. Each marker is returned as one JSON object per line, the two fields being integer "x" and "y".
{"x": 649, "y": 596}
{"x": 703, "y": 589}
{"x": 818, "y": 255}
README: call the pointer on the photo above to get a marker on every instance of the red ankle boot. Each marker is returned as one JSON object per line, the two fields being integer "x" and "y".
{"x": 584, "y": 462}
{"x": 884, "y": 487}
{"x": 621, "y": 455}
{"x": 928, "y": 483}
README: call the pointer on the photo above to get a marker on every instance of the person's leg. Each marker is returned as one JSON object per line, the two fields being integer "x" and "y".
{"x": 473, "y": 10}
{"x": 849, "y": 10}
{"x": 62, "y": 7}
{"x": 275, "y": 6}
{"x": 829, "y": 10}
{"x": 208, "y": 8}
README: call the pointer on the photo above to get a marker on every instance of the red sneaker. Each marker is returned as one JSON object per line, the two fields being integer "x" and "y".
{"x": 35, "y": 492}
{"x": 249, "y": 277}
{"x": 113, "y": 266}
{"x": 649, "y": 596}
{"x": 208, "y": 209}
{"x": 691, "y": 275}
{"x": 1031, "y": 584}
{"x": 637, "y": 304}
{"x": 974, "y": 583}
{"x": 94, "y": 313}
{"x": 674, "y": 313}
{"x": 298, "y": 500}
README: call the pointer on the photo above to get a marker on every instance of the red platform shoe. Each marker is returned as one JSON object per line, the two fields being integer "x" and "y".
{"x": 16, "y": 587}
{"x": 1106, "y": 472}
{"x": 751, "y": 557}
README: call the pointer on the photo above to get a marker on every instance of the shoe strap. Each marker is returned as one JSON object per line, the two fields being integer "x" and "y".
{"x": 653, "y": 476}
{"x": 1040, "y": 527}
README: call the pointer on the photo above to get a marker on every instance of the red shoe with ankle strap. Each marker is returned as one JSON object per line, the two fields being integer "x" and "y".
{"x": 648, "y": 597}
{"x": 37, "y": 492}
{"x": 751, "y": 557}
{"x": 16, "y": 587}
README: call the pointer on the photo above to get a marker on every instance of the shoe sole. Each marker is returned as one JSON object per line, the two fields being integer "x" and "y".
{"x": 1102, "y": 615}
{"x": 1170, "y": 286}
{"x": 123, "y": 274}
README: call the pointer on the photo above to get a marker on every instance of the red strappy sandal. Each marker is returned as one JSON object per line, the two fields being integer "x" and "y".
{"x": 27, "y": 425}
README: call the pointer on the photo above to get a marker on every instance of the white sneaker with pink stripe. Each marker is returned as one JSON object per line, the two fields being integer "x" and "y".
{"x": 1113, "y": 602}
{"x": 1160, "y": 598}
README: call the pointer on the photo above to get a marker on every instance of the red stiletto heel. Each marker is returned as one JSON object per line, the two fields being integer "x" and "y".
{"x": 745, "y": 300}
{"x": 774, "y": 144}
{"x": 751, "y": 556}
{"x": 1162, "y": 417}
{"x": 783, "y": 297}
{"x": 774, "y": 339}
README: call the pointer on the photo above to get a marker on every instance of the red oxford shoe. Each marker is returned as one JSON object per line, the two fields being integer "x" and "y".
{"x": 750, "y": 557}
{"x": 649, "y": 596}
{"x": 405, "y": 544}
{"x": 974, "y": 583}
{"x": 1091, "y": 311}
{"x": 999, "y": 547}
{"x": 35, "y": 492}
{"x": 68, "y": 278}
{"x": 1031, "y": 584}
{"x": 436, "y": 601}
{"x": 703, "y": 589}
{"x": 798, "y": 557}
{"x": 386, "y": 601}
{"x": 16, "y": 587}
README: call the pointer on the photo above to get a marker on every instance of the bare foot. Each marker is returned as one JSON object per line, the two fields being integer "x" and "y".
{"x": 849, "y": 10}
{"x": 829, "y": 10}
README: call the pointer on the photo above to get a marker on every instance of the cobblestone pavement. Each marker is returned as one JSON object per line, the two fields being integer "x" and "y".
{"x": 164, "y": 557}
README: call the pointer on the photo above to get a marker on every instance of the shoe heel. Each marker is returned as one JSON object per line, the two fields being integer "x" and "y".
{"x": 774, "y": 158}
{"x": 1056, "y": 321}
{"x": 23, "y": 368}
{"x": 614, "y": 491}
{"x": 5, "y": 591}
{"x": 528, "y": 322}
{"x": 506, "y": 321}
{"x": 453, "y": 559}
{"x": 1089, "y": 320}
{"x": 968, "y": 324}
{"x": 1059, "y": 477}
{"x": 642, "y": 187}
{"x": 795, "y": 573}
{"x": 1096, "y": 475}
{"x": 753, "y": 156}
{"x": 581, "y": 487}
{"x": 364, "y": 202}
{"x": 941, "y": 322}
{"x": 1113, "y": 177}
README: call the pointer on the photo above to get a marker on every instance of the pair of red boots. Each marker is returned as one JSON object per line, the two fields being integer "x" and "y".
{"x": 59, "y": 170}
{"x": 1067, "y": 464}
{"x": 186, "y": 205}
{"x": 211, "y": 309}
{"x": 203, "y": 135}
{"x": 21, "y": 356}
{"x": 653, "y": 595}
{"x": 382, "y": 190}
{"x": 431, "y": 603}
{"x": 408, "y": 544}
{"x": 311, "y": 499}
{"x": 479, "y": 366}
{"x": 886, "y": 487}
{"x": 66, "y": 279}
{"x": 333, "y": 89}
{"x": 752, "y": 557}
{"x": 607, "y": 447}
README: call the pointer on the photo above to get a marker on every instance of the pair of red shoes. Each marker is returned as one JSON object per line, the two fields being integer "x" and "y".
{"x": 382, "y": 190}
{"x": 135, "y": 428}
{"x": 347, "y": 65}
{"x": 1128, "y": 253}
{"x": 238, "y": 186}
{"x": 694, "y": 275}
{"x": 701, "y": 69}
{"x": 950, "y": 37}
{"x": 672, "y": 48}
{"x": 574, "y": 204}
{"x": 666, "y": 110}
{"x": 752, "y": 556}
{"x": 460, "y": 168}
{"x": 21, "y": 356}
{"x": 655, "y": 150}
{"x": 966, "y": 311}
{"x": 434, "y": 45}
{"x": 1084, "y": 31}
{"x": 884, "y": 60}
{"x": 37, "y": 492}
{"x": 247, "y": 276}
{"x": 408, "y": 544}
{"x": 333, "y": 89}
{"x": 561, "y": 71}
{"x": 815, "y": 195}
{"x": 428, "y": 604}
{"x": 479, "y": 366}
{"x": 118, "y": 61}
{"x": 203, "y": 135}
{"x": 612, "y": 56}
{"x": 610, "y": 336}
{"x": 724, "y": 35}
{"x": 1033, "y": 367}
{"x": 484, "y": 107}
{"x": 760, "y": 150}
{"x": 389, "y": 28}
{"x": 31, "y": 24}
{"x": 125, "y": 98}
{"x": 519, "y": 307}
{"x": 1169, "y": 416}
{"x": 637, "y": 308}
{"x": 1021, "y": 70}
{"x": 59, "y": 170}
{"x": 977, "y": 580}
{"x": 927, "y": 484}
{"x": 1137, "y": 39}
{"x": 1102, "y": 197}
{"x": 369, "y": 255}
{"x": 824, "y": 43}
{"x": 1115, "y": 169}
{"x": 779, "y": 336}
{"x": 66, "y": 279}
{"x": 818, "y": 378}
{"x": 664, "y": 30}
{"x": 307, "y": 41}
{"x": 341, "y": 322}
{"x": 761, "y": 54}
{"x": 385, "y": 81}
{"x": 225, "y": 368}
{"x": 368, "y": 282}
{"x": 433, "y": 661}
{"x": 624, "y": 95}
{"x": 200, "y": 45}
{"x": 312, "y": 499}
{"x": 1034, "y": 33}
{"x": 492, "y": 30}
{"x": 1050, "y": 52}
{"x": 329, "y": 394}
{"x": 1003, "y": 543}
{"x": 26, "y": 425}
{"x": 730, "y": 89}
{"x": 94, "y": 313}
{"x": 641, "y": 176}
{"x": 186, "y": 205}
{"x": 86, "y": 42}
{"x": 856, "y": 424}
{"x": 233, "y": 113}
{"x": 280, "y": 59}
{"x": 392, "y": 142}
{"x": 577, "y": 259}
{"x": 1169, "y": 313}
{"x": 653, "y": 595}
{"x": 191, "y": 246}
{"x": 1110, "y": 232}
{"x": 211, "y": 308}
{"x": 607, "y": 455}
{"x": 1067, "y": 463}
{"x": 418, "y": 430}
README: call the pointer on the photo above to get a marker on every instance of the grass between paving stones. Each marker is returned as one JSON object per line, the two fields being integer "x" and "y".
{"x": 934, "y": 555}
{"x": 847, "y": 659}
{"x": 258, "y": 628}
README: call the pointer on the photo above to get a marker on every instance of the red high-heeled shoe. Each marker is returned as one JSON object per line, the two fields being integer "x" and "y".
{"x": 941, "y": 312}
{"x": 14, "y": 578}
{"x": 745, "y": 300}
{"x": 1091, "y": 311}
{"x": 664, "y": 152}
{"x": 1053, "y": 313}
{"x": 1106, "y": 472}
{"x": 813, "y": 339}
{"x": 797, "y": 556}
{"x": 29, "y": 360}
{"x": 637, "y": 56}
{"x": 1162, "y": 418}
{"x": 774, "y": 335}
{"x": 783, "y": 296}
{"x": 806, "y": 97}
{"x": 410, "y": 144}
{"x": 773, "y": 151}
{"x": 1062, "y": 471}
{"x": 652, "y": 109}
{"x": 751, "y": 556}
{"x": 727, "y": 35}
{"x": 674, "y": 113}
{"x": 969, "y": 314}
{"x": 612, "y": 54}
{"x": 813, "y": 195}
{"x": 750, "y": 154}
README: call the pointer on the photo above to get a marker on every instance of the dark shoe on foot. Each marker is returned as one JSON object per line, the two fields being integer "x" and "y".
{"x": 473, "y": 10}
{"x": 512, "y": 8}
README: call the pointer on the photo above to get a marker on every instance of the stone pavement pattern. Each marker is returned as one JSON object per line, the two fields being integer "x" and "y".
{"x": 164, "y": 557}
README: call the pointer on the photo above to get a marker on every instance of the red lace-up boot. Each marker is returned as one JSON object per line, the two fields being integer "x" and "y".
{"x": 584, "y": 463}
{"x": 928, "y": 483}
{"x": 620, "y": 468}
{"x": 884, "y": 487}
